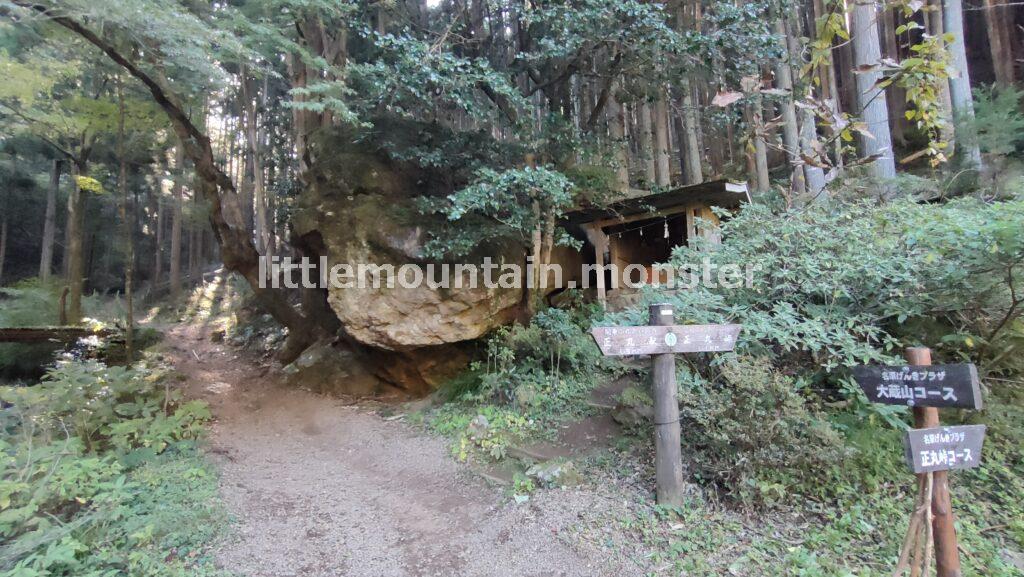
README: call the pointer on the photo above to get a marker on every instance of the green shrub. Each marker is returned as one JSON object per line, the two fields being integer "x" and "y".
{"x": 491, "y": 429}
{"x": 100, "y": 476}
{"x": 546, "y": 369}
{"x": 752, "y": 433}
{"x": 29, "y": 303}
{"x": 532, "y": 377}
{"x": 555, "y": 341}
{"x": 998, "y": 120}
{"x": 106, "y": 408}
{"x": 836, "y": 286}
{"x": 973, "y": 256}
{"x": 851, "y": 283}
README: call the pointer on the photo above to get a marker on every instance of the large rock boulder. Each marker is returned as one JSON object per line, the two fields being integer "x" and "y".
{"x": 365, "y": 216}
{"x": 358, "y": 208}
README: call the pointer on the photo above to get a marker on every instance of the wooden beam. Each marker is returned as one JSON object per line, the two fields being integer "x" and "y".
{"x": 44, "y": 334}
{"x": 691, "y": 227}
{"x": 645, "y": 216}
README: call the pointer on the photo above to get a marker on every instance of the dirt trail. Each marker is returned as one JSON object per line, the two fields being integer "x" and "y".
{"x": 324, "y": 488}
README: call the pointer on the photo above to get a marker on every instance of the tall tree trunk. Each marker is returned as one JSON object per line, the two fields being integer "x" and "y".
{"x": 158, "y": 249}
{"x": 998, "y": 18}
{"x": 254, "y": 140}
{"x": 761, "y": 162}
{"x": 689, "y": 140}
{"x": 757, "y": 151}
{"x": 844, "y": 63}
{"x": 241, "y": 157}
{"x": 3, "y": 246}
{"x": 662, "y": 174}
{"x": 76, "y": 244}
{"x": 50, "y": 223}
{"x": 686, "y": 17}
{"x": 65, "y": 257}
{"x": 646, "y": 142}
{"x": 960, "y": 85}
{"x": 303, "y": 121}
{"x": 895, "y": 97}
{"x": 870, "y": 99}
{"x": 617, "y": 132}
{"x": 814, "y": 176}
{"x": 680, "y": 137}
{"x": 271, "y": 213}
{"x": 127, "y": 215}
{"x": 934, "y": 26}
{"x": 829, "y": 83}
{"x": 174, "y": 274}
{"x": 190, "y": 261}
{"x": 790, "y": 128}
{"x": 246, "y": 195}
{"x": 195, "y": 244}
{"x": 533, "y": 293}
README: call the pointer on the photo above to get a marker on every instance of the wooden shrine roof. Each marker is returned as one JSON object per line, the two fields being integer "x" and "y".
{"x": 722, "y": 193}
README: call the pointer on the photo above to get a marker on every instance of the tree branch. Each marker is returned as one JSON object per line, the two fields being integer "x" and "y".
{"x": 500, "y": 101}
{"x": 570, "y": 67}
{"x": 237, "y": 249}
{"x": 602, "y": 99}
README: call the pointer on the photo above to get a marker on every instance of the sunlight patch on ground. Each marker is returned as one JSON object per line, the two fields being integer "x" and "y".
{"x": 203, "y": 303}
{"x": 218, "y": 388}
{"x": 210, "y": 302}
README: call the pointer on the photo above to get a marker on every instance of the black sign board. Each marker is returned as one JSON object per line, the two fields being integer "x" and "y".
{"x": 944, "y": 448}
{"x": 921, "y": 385}
{"x": 659, "y": 340}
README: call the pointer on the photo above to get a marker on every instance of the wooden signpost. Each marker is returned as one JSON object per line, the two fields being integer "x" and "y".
{"x": 663, "y": 340}
{"x": 931, "y": 450}
{"x": 922, "y": 385}
{"x": 660, "y": 340}
{"x": 944, "y": 448}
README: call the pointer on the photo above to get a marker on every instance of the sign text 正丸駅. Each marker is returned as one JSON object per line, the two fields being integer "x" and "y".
{"x": 658, "y": 340}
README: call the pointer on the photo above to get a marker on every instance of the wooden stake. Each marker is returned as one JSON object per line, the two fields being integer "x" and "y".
{"x": 668, "y": 453}
{"x": 947, "y": 555}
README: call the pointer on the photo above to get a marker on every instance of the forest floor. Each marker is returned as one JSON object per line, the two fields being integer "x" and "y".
{"x": 326, "y": 486}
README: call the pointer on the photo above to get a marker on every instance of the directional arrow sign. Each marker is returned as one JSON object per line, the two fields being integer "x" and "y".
{"x": 921, "y": 385}
{"x": 658, "y": 340}
{"x": 944, "y": 448}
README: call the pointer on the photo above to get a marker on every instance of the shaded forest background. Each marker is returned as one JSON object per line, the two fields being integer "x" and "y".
{"x": 181, "y": 124}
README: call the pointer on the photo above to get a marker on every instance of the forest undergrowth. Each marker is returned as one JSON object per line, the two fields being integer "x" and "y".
{"x": 791, "y": 471}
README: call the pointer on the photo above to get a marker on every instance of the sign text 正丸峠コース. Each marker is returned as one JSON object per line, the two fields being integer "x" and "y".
{"x": 944, "y": 448}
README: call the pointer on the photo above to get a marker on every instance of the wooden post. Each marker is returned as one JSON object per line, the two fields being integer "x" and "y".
{"x": 947, "y": 555}
{"x": 599, "y": 240}
{"x": 668, "y": 458}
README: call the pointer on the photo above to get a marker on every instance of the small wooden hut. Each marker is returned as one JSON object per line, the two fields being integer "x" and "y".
{"x": 643, "y": 228}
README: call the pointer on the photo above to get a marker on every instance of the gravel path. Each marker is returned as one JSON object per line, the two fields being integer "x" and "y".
{"x": 321, "y": 488}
